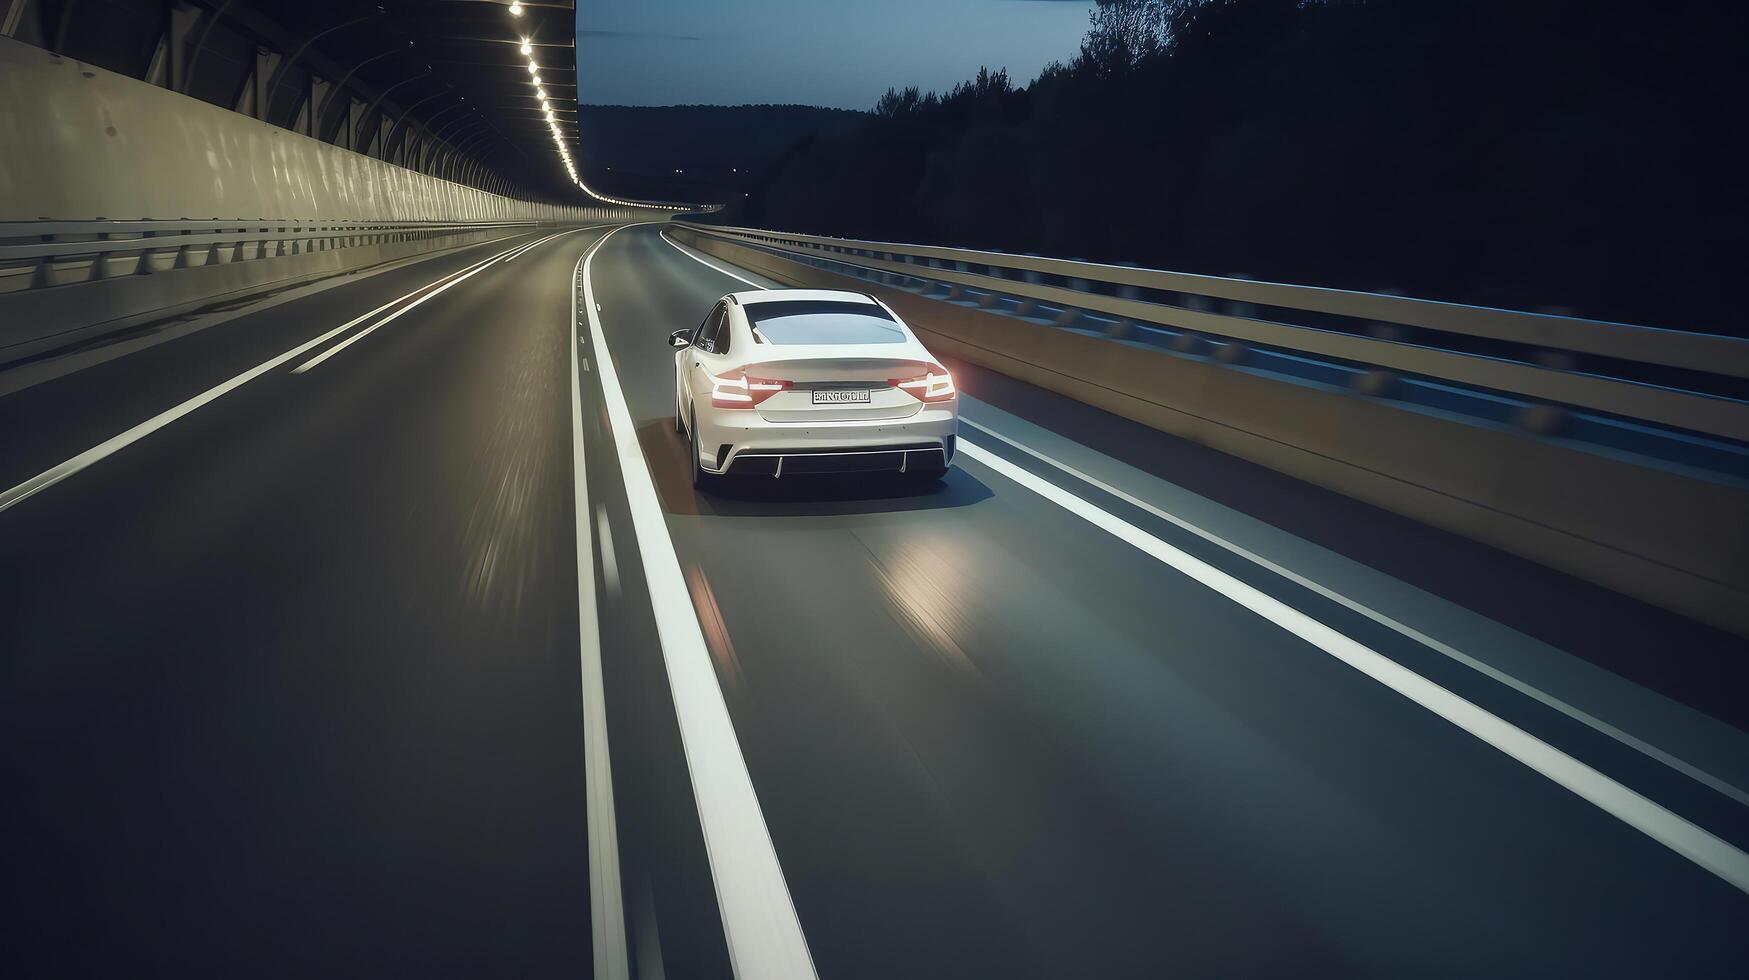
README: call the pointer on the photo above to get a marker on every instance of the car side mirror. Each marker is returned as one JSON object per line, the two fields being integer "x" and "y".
{"x": 678, "y": 340}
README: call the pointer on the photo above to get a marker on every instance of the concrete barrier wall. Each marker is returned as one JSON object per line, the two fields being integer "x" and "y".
{"x": 1678, "y": 541}
{"x": 82, "y": 142}
{"x": 39, "y": 320}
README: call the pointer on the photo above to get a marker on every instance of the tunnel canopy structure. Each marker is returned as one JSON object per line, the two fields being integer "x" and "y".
{"x": 482, "y": 92}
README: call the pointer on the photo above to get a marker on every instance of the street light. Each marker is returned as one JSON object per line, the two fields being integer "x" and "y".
{"x": 516, "y": 10}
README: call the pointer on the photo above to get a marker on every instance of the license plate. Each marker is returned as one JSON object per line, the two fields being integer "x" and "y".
{"x": 827, "y": 396}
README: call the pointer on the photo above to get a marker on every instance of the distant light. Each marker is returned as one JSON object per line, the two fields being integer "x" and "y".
{"x": 533, "y": 69}
{"x": 540, "y": 91}
{"x": 544, "y": 104}
{"x": 526, "y": 47}
{"x": 537, "y": 81}
{"x": 516, "y": 10}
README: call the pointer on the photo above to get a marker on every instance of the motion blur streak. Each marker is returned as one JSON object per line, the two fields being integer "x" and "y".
{"x": 1674, "y": 832}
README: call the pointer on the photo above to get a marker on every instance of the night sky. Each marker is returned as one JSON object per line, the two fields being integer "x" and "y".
{"x": 841, "y": 53}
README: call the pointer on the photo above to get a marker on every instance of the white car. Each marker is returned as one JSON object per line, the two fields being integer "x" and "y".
{"x": 788, "y": 381}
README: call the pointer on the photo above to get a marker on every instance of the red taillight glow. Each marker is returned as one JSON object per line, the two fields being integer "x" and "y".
{"x": 741, "y": 391}
{"x": 936, "y": 385}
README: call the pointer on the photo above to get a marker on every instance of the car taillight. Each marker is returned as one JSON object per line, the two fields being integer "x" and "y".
{"x": 936, "y": 385}
{"x": 741, "y": 391}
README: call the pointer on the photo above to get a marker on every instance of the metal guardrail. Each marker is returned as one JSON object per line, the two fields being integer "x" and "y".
{"x": 1685, "y": 381}
{"x": 43, "y": 247}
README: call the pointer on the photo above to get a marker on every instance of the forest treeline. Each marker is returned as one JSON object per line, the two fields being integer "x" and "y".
{"x": 1537, "y": 154}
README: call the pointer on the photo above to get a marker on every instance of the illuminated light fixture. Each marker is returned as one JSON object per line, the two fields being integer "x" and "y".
{"x": 536, "y": 77}
{"x": 534, "y": 69}
{"x": 936, "y": 385}
{"x": 526, "y": 48}
{"x": 516, "y": 10}
{"x": 540, "y": 91}
{"x": 742, "y": 390}
{"x": 544, "y": 104}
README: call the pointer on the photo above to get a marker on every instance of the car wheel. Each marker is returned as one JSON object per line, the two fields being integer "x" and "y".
{"x": 701, "y": 480}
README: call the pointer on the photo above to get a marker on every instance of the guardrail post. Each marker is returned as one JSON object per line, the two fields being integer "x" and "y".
{"x": 1542, "y": 420}
{"x": 1375, "y": 383}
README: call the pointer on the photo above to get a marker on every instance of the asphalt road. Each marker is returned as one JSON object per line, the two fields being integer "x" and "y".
{"x": 296, "y": 683}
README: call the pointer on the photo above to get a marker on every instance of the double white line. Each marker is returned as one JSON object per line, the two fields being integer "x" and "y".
{"x": 55, "y": 474}
{"x": 508, "y": 255}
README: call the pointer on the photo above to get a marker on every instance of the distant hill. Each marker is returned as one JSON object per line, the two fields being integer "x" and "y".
{"x": 709, "y": 142}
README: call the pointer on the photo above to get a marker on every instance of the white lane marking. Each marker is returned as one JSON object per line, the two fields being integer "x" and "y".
{"x": 1638, "y": 812}
{"x": 122, "y": 440}
{"x": 760, "y": 926}
{"x": 694, "y": 256}
{"x": 20, "y": 377}
{"x": 607, "y": 920}
{"x": 392, "y": 317}
{"x": 609, "y": 564}
{"x": 516, "y": 252}
{"x": 1699, "y": 775}
{"x": 1528, "y": 690}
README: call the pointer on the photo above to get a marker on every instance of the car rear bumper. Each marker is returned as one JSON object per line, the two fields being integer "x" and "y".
{"x": 743, "y": 444}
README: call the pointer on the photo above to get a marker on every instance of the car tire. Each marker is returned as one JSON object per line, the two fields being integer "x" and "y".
{"x": 701, "y": 479}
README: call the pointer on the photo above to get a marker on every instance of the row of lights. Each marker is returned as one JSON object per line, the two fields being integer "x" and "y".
{"x": 546, "y": 106}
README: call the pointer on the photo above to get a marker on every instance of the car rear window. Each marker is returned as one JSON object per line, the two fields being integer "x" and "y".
{"x": 814, "y": 321}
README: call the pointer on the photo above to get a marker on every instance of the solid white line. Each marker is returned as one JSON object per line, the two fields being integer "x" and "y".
{"x": 760, "y": 926}
{"x": 607, "y": 921}
{"x": 115, "y": 443}
{"x": 1651, "y": 819}
{"x": 1493, "y": 673}
{"x": 694, "y": 256}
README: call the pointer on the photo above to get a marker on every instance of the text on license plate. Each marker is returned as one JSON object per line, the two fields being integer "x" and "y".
{"x": 840, "y": 396}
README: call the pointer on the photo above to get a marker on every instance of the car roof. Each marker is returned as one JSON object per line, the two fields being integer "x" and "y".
{"x": 779, "y": 295}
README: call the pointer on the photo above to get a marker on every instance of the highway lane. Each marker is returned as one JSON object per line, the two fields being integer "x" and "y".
{"x": 988, "y": 739}
{"x": 292, "y": 686}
